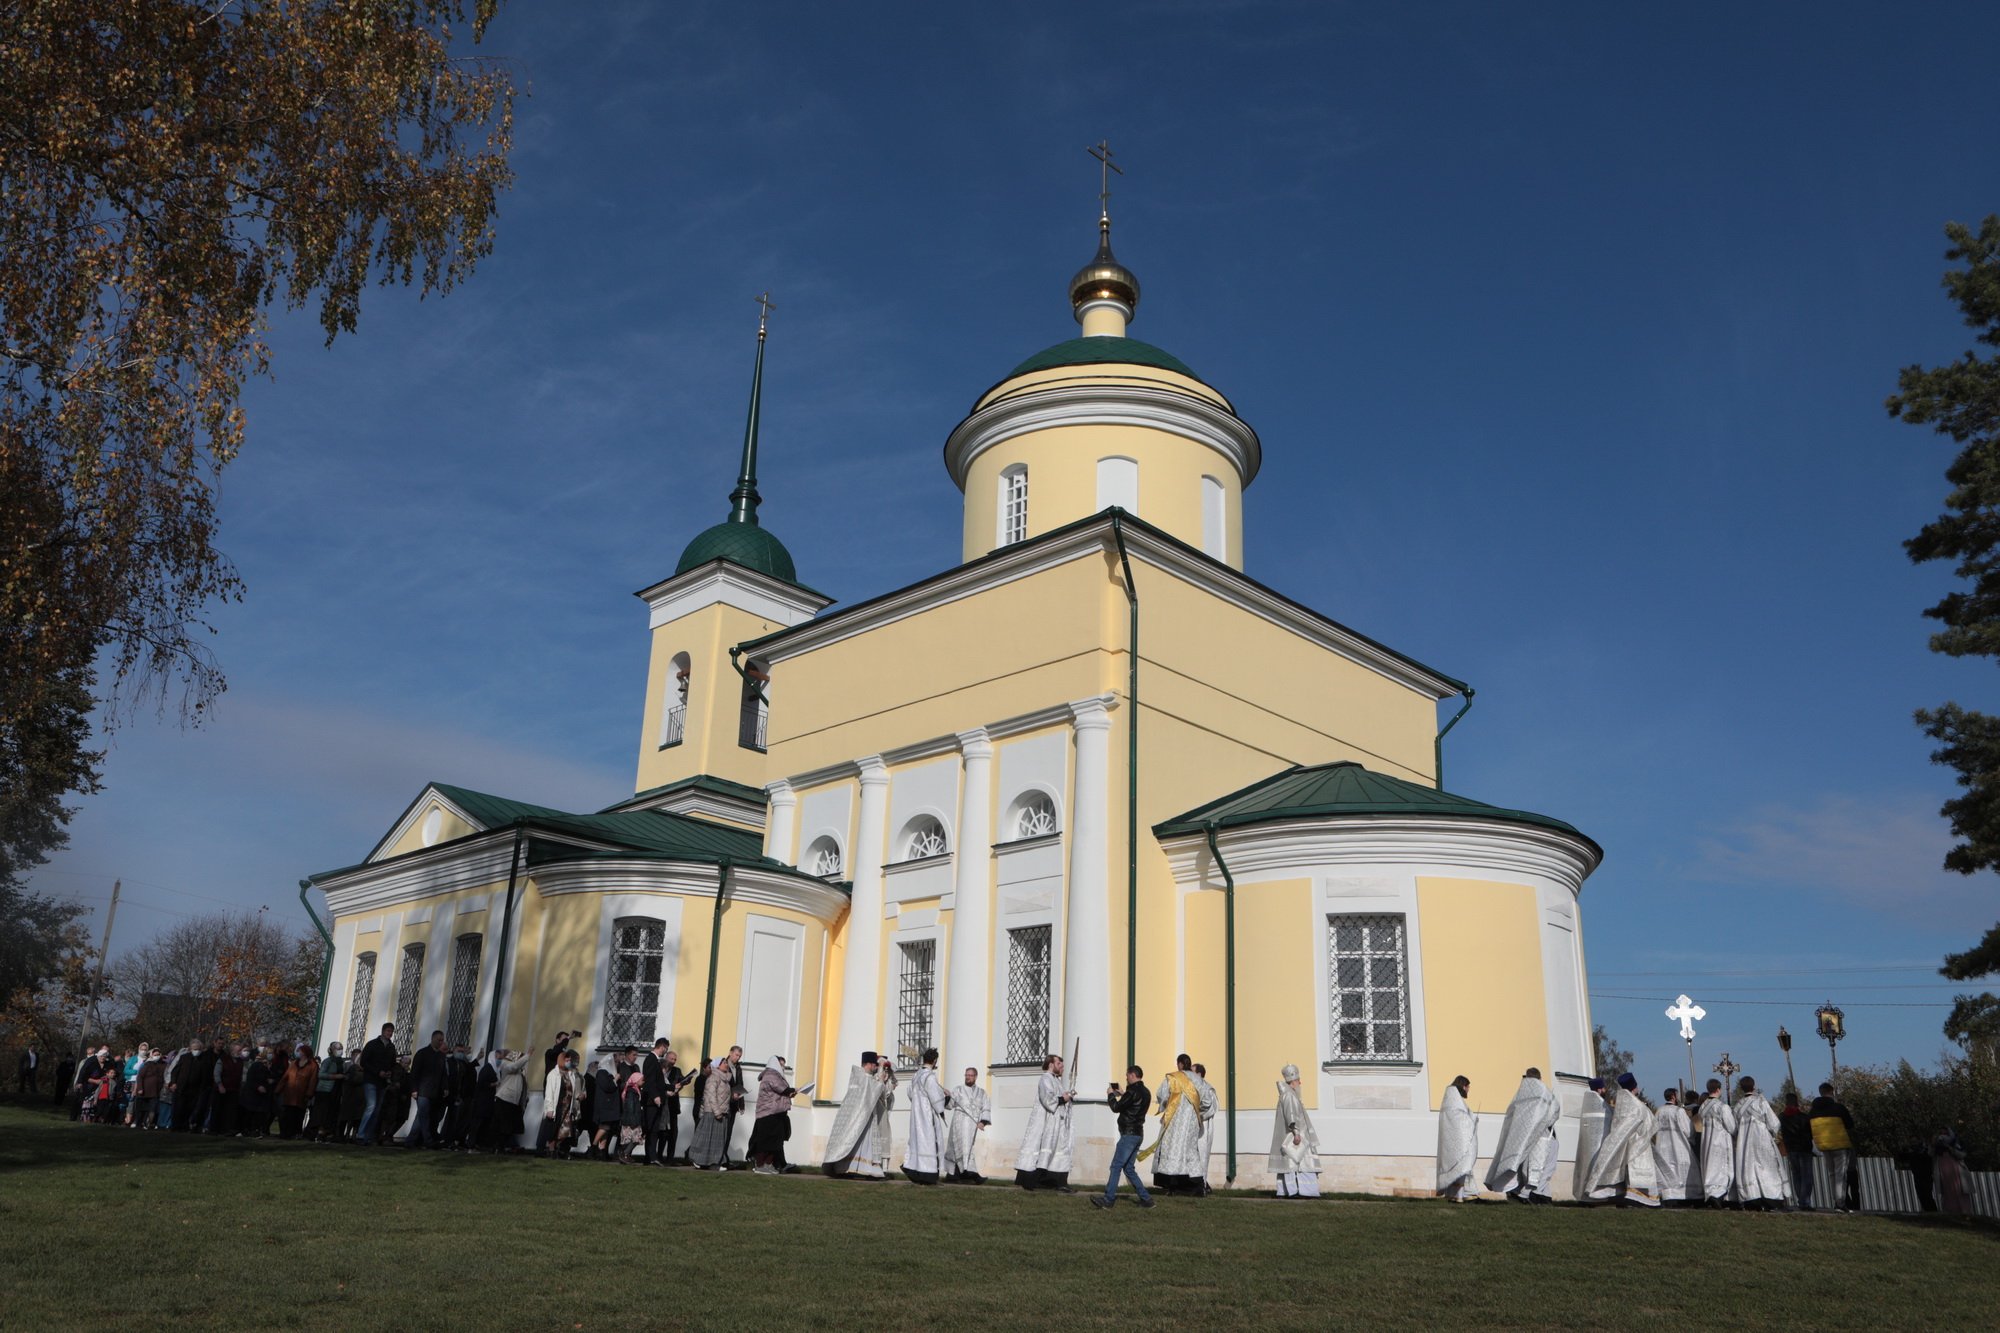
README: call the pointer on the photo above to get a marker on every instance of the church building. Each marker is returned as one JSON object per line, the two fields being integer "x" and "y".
{"x": 1091, "y": 789}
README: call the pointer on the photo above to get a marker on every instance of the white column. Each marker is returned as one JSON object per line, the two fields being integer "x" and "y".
{"x": 859, "y": 1030}
{"x": 966, "y": 986}
{"x": 1086, "y": 1012}
{"x": 782, "y": 824}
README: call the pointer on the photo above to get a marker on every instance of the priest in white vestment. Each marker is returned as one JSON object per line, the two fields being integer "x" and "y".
{"x": 1718, "y": 1147}
{"x": 1623, "y": 1166}
{"x": 1458, "y": 1144}
{"x": 1294, "y": 1141}
{"x": 1210, "y": 1105}
{"x": 923, "y": 1152}
{"x": 1671, "y": 1150}
{"x": 1525, "y": 1159}
{"x": 1593, "y": 1120}
{"x": 1178, "y": 1167}
{"x": 1761, "y": 1178}
{"x": 859, "y": 1143}
{"x": 971, "y": 1111}
{"x": 1047, "y": 1147}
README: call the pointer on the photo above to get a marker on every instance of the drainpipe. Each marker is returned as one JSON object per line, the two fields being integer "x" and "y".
{"x": 1437, "y": 746}
{"x": 506, "y": 928}
{"x": 1228, "y": 993}
{"x": 714, "y": 956}
{"x": 326, "y": 968}
{"x": 1131, "y": 797}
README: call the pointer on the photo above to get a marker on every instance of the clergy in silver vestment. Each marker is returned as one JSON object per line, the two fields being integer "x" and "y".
{"x": 1623, "y": 1166}
{"x": 1718, "y": 1147}
{"x": 1178, "y": 1166}
{"x": 1761, "y": 1178}
{"x": 1524, "y": 1161}
{"x": 1671, "y": 1149}
{"x": 1458, "y": 1144}
{"x": 1047, "y": 1148}
{"x": 1210, "y": 1104}
{"x": 1593, "y": 1119}
{"x": 971, "y": 1111}
{"x": 859, "y": 1143}
{"x": 923, "y": 1152}
{"x": 1294, "y": 1141}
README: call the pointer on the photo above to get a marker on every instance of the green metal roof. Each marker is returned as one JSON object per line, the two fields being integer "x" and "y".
{"x": 743, "y": 544}
{"x": 1103, "y": 351}
{"x": 699, "y": 782}
{"x": 1346, "y": 788}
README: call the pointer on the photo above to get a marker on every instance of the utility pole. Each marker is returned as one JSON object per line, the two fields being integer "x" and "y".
{"x": 97, "y": 982}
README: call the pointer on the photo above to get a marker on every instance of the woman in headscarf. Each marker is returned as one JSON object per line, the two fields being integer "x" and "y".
{"x": 604, "y": 1109}
{"x": 256, "y": 1097}
{"x": 774, "y": 1119}
{"x": 296, "y": 1087}
{"x": 1294, "y": 1141}
{"x": 710, "y": 1149}
{"x": 1954, "y": 1187}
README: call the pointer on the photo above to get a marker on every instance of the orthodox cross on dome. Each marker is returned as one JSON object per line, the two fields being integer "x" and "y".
{"x": 1686, "y": 1011}
{"x": 1101, "y": 150}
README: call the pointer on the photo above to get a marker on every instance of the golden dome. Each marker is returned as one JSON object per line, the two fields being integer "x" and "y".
{"x": 1104, "y": 278}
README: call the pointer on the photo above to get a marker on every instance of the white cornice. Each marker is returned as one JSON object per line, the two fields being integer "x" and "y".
{"x": 747, "y": 884}
{"x": 1068, "y": 404}
{"x": 464, "y": 864}
{"x": 952, "y": 743}
{"x": 695, "y": 801}
{"x": 733, "y": 585}
{"x": 417, "y": 807}
{"x": 1309, "y": 845}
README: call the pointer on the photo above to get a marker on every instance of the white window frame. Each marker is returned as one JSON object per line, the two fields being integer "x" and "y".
{"x": 470, "y": 996}
{"x": 641, "y": 1039}
{"x": 408, "y": 1012}
{"x": 1011, "y": 512}
{"x": 360, "y": 999}
{"x": 1372, "y": 952}
{"x": 1215, "y": 517}
{"x": 1005, "y": 1046}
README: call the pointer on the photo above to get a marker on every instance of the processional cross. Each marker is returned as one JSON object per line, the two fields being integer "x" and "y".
{"x": 1101, "y": 150}
{"x": 1686, "y": 1011}
{"x": 1728, "y": 1068}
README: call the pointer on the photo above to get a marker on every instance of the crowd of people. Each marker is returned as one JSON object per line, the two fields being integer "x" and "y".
{"x": 1719, "y": 1148}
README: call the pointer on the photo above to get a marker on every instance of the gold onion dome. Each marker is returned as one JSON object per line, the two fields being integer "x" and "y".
{"x": 1104, "y": 278}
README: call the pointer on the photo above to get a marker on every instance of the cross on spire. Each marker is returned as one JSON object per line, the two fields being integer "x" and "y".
{"x": 1101, "y": 150}
{"x": 764, "y": 309}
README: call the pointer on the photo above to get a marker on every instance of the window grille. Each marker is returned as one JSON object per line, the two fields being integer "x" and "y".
{"x": 926, "y": 838}
{"x": 824, "y": 859}
{"x": 1368, "y": 987}
{"x": 915, "y": 987}
{"x": 676, "y": 726}
{"x": 464, "y": 989}
{"x": 409, "y": 987}
{"x": 1013, "y": 506}
{"x": 357, "y": 1006}
{"x": 756, "y": 712}
{"x": 1028, "y": 958}
{"x": 638, "y": 953}
{"x": 1037, "y": 819}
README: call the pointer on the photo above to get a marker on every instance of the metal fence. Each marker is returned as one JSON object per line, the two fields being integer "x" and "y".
{"x": 1887, "y": 1188}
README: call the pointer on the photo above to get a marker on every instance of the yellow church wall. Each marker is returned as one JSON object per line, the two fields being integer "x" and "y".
{"x": 833, "y": 983}
{"x": 450, "y": 826}
{"x": 1062, "y": 483}
{"x": 1485, "y": 1012}
{"x": 1276, "y": 1005}
{"x": 710, "y": 737}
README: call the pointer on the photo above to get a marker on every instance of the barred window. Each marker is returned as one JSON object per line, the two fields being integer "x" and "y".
{"x": 409, "y": 988}
{"x": 638, "y": 953}
{"x": 1368, "y": 987}
{"x": 465, "y": 951}
{"x": 1028, "y": 958}
{"x": 1013, "y": 505}
{"x": 915, "y": 986}
{"x": 357, "y": 1006}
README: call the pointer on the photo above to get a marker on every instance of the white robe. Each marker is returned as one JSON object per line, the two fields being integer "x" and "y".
{"x": 924, "y": 1151}
{"x": 1760, "y": 1168}
{"x": 1178, "y": 1149}
{"x": 1718, "y": 1149}
{"x": 1209, "y": 1106}
{"x": 1294, "y": 1146}
{"x": 1671, "y": 1149}
{"x": 1591, "y": 1127}
{"x": 1047, "y": 1145}
{"x": 859, "y": 1143}
{"x": 1623, "y": 1166}
{"x": 970, "y": 1109}
{"x": 1525, "y": 1133}
{"x": 1458, "y": 1146}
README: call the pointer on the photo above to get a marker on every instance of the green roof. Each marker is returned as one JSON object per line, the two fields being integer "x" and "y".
{"x": 743, "y": 544}
{"x": 699, "y": 782}
{"x": 1103, "y": 351}
{"x": 1346, "y": 788}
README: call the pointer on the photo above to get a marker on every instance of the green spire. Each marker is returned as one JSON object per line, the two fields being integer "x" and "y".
{"x": 743, "y": 501}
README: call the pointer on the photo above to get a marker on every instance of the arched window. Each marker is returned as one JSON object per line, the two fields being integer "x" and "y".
{"x": 924, "y": 837}
{"x": 673, "y": 726}
{"x": 357, "y": 1006}
{"x": 823, "y": 858}
{"x": 1214, "y": 518}
{"x": 1013, "y": 522}
{"x": 756, "y": 705}
{"x": 638, "y": 954}
{"x": 1034, "y": 816}
{"x": 1118, "y": 484}
{"x": 465, "y": 951}
{"x": 409, "y": 988}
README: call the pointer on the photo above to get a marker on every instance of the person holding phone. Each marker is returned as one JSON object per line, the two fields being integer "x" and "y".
{"x": 1131, "y": 1103}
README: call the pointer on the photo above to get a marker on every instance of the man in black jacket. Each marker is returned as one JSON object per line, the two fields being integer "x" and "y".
{"x": 1131, "y": 1104}
{"x": 427, "y": 1074}
{"x": 554, "y": 1053}
{"x": 654, "y": 1089}
{"x": 378, "y": 1059}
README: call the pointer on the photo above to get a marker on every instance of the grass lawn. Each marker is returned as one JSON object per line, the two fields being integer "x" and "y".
{"x": 193, "y": 1232}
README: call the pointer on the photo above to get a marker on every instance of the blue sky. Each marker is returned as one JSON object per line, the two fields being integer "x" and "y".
{"x": 1566, "y": 330}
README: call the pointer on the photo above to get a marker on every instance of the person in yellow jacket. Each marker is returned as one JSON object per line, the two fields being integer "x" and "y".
{"x": 1833, "y": 1135}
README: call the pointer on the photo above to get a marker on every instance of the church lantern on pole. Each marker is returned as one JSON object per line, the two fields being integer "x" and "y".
{"x": 1832, "y": 1027}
